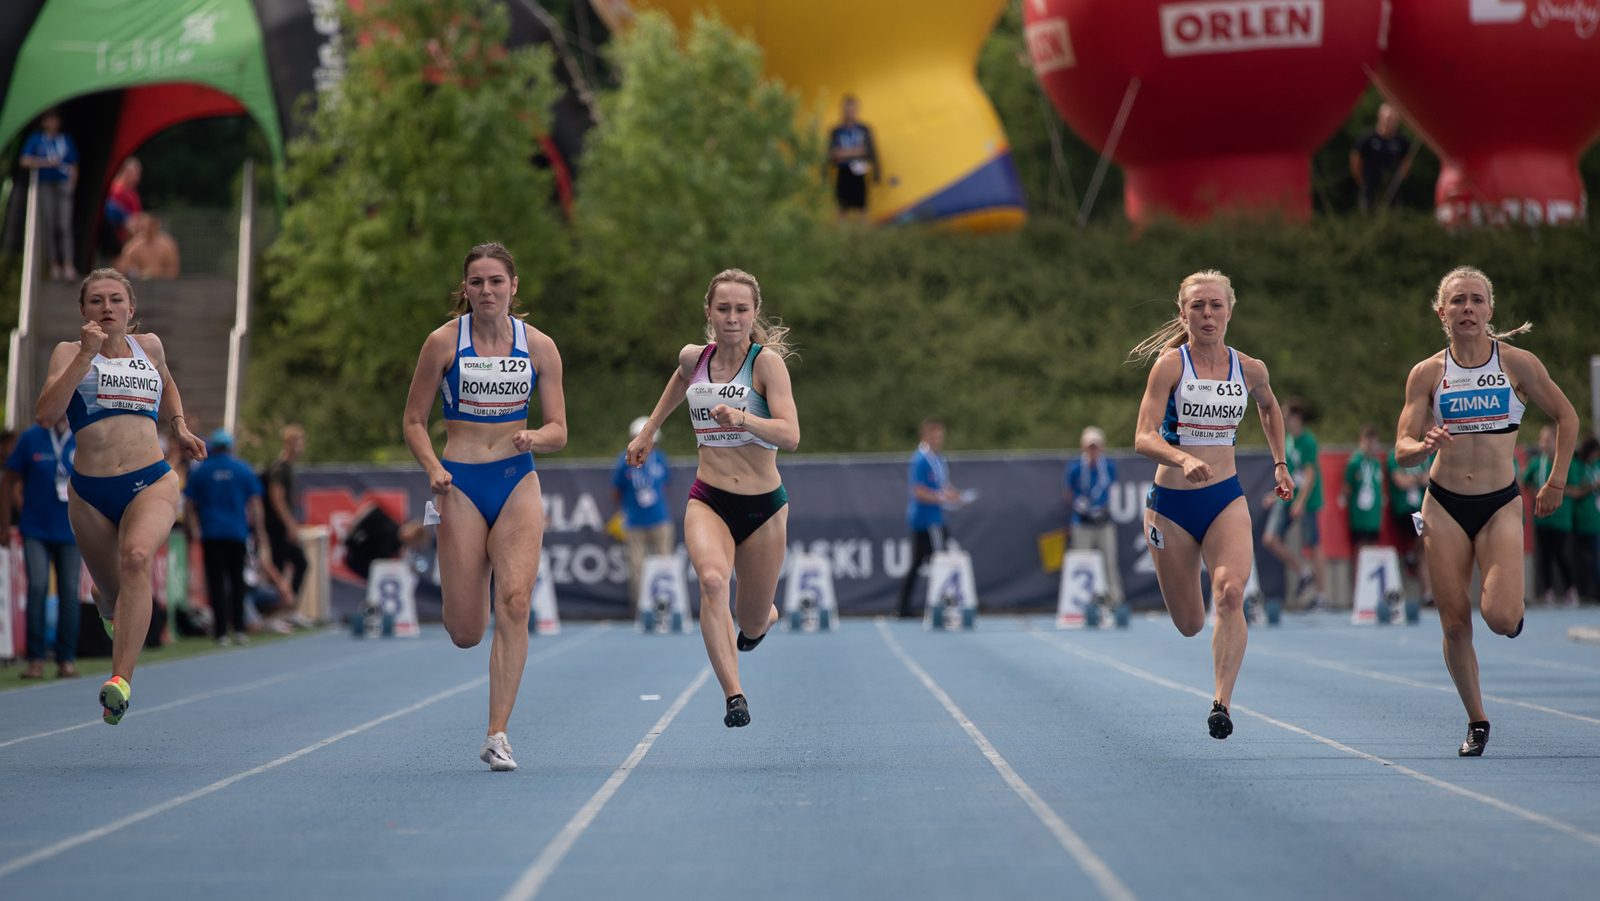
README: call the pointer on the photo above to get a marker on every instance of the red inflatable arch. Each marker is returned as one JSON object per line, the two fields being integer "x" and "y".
{"x": 1508, "y": 94}
{"x": 1222, "y": 103}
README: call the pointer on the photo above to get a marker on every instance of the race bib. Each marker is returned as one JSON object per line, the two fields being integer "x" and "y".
{"x": 705, "y": 396}
{"x": 1475, "y": 403}
{"x": 1209, "y": 410}
{"x": 492, "y": 387}
{"x": 131, "y": 384}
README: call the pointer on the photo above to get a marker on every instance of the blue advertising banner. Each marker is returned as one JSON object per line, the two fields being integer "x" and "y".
{"x": 851, "y": 509}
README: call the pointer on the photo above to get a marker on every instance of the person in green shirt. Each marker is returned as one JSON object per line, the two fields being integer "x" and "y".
{"x": 1585, "y": 495}
{"x": 1553, "y": 556}
{"x": 1406, "y": 487}
{"x": 1300, "y": 448}
{"x": 1363, "y": 490}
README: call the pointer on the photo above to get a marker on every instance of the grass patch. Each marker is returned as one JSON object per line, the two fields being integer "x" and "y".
{"x": 90, "y": 667}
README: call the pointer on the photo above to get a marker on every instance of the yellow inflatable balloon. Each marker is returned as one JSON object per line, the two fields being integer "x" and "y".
{"x": 912, "y": 65}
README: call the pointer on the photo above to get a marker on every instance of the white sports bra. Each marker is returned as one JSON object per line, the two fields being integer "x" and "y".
{"x": 1206, "y": 411}
{"x": 1478, "y": 399}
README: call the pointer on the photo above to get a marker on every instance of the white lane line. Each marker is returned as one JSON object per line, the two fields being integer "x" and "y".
{"x": 1513, "y": 809}
{"x": 66, "y": 844}
{"x": 1401, "y": 680}
{"x": 218, "y": 692}
{"x": 533, "y": 879}
{"x": 1111, "y": 888}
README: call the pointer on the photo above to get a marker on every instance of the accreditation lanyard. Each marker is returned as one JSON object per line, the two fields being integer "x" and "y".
{"x": 59, "y": 444}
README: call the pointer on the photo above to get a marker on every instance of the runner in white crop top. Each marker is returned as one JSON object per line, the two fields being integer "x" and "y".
{"x": 743, "y": 411}
{"x": 1478, "y": 399}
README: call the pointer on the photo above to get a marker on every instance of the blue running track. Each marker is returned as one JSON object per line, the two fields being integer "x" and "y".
{"x": 883, "y": 761}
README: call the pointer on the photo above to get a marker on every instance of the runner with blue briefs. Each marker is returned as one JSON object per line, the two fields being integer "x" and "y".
{"x": 114, "y": 387}
{"x": 1188, "y": 424}
{"x": 486, "y": 363}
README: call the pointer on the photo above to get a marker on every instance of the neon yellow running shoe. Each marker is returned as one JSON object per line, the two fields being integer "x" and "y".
{"x": 114, "y": 698}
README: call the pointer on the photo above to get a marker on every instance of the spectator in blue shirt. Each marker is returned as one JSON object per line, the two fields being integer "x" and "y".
{"x": 56, "y": 157}
{"x": 642, "y": 496}
{"x": 930, "y": 490}
{"x": 1087, "y": 489}
{"x": 42, "y": 461}
{"x": 224, "y": 502}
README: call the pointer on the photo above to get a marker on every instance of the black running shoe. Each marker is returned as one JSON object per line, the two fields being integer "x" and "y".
{"x": 1518, "y": 630}
{"x": 749, "y": 644}
{"x": 1220, "y": 724}
{"x": 1477, "y": 737}
{"x": 738, "y": 712}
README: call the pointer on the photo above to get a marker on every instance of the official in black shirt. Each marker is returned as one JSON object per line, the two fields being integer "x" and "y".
{"x": 850, "y": 150}
{"x": 1379, "y": 158}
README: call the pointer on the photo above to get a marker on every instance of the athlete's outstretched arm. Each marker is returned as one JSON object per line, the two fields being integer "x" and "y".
{"x": 1257, "y": 381}
{"x": 1415, "y": 440}
{"x": 1147, "y": 439}
{"x": 1530, "y": 375}
{"x": 552, "y": 436}
{"x": 436, "y": 354}
{"x": 677, "y": 389}
{"x": 171, "y": 402}
{"x": 69, "y": 363}
{"x": 783, "y": 427}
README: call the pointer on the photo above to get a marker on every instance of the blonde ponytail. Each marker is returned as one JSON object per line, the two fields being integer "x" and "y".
{"x": 1461, "y": 272}
{"x": 771, "y": 334}
{"x": 1176, "y": 332}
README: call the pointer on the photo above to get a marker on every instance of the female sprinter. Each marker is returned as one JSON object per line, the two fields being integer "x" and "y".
{"x": 122, "y": 499}
{"x": 742, "y": 410}
{"x": 486, "y": 363}
{"x": 1476, "y": 390}
{"x": 1188, "y": 422}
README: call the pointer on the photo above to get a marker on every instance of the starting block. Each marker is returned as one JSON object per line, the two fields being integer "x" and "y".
{"x": 390, "y": 608}
{"x": 545, "y": 619}
{"x": 1377, "y": 586}
{"x": 952, "y": 592}
{"x": 663, "y": 603}
{"x": 1081, "y": 601}
{"x": 808, "y": 600}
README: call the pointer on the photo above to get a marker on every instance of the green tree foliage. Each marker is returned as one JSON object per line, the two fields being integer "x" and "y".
{"x": 428, "y": 152}
{"x": 699, "y": 164}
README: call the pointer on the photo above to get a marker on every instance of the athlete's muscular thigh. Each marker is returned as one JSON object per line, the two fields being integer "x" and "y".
{"x": 463, "y": 565}
{"x": 517, "y": 537}
{"x": 1229, "y": 548}
{"x": 1499, "y": 552}
{"x": 99, "y": 543}
{"x": 759, "y": 562}
{"x": 1177, "y": 564}
{"x": 1450, "y": 554}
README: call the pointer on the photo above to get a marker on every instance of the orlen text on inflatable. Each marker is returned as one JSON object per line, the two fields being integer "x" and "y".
{"x": 1231, "y": 98}
{"x": 1508, "y": 92}
{"x": 912, "y": 65}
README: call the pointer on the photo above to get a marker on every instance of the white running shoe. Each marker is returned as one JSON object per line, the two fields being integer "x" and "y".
{"x": 497, "y": 753}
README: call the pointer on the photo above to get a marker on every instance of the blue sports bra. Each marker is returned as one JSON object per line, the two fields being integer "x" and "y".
{"x": 112, "y": 387}
{"x": 488, "y": 389}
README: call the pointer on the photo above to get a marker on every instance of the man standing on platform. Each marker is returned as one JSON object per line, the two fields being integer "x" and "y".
{"x": 851, "y": 151}
{"x": 42, "y": 460}
{"x": 1087, "y": 490}
{"x": 930, "y": 490}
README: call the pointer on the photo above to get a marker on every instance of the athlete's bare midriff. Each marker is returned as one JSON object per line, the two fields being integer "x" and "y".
{"x": 116, "y": 445}
{"x": 1217, "y": 456}
{"x": 479, "y": 442}
{"x": 747, "y": 469}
